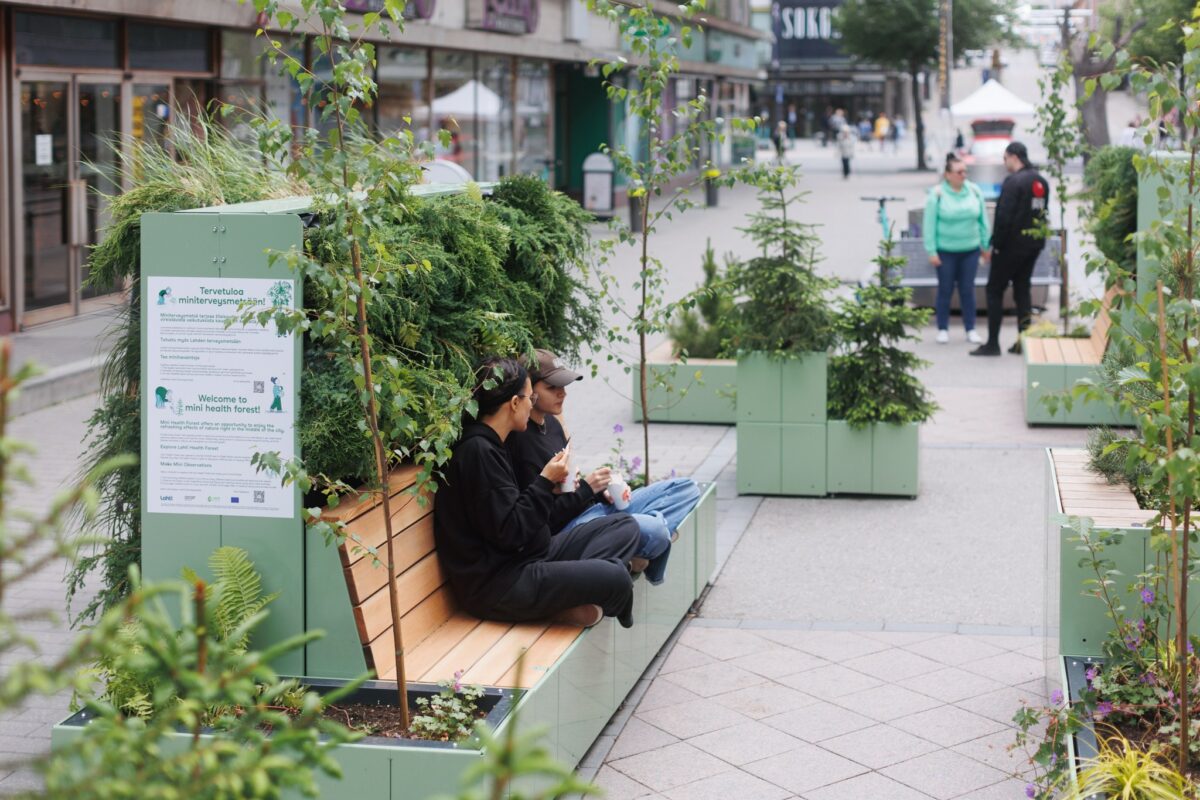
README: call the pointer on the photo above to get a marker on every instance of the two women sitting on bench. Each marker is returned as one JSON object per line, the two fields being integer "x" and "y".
{"x": 498, "y": 543}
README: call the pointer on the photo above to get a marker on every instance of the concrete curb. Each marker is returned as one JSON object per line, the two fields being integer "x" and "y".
{"x": 58, "y": 385}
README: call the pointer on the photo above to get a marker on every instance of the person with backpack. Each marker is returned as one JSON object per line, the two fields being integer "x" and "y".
{"x": 956, "y": 236}
{"x": 1020, "y": 214}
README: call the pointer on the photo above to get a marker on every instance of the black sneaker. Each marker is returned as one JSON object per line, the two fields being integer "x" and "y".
{"x": 986, "y": 350}
{"x": 626, "y": 617}
{"x": 1016, "y": 348}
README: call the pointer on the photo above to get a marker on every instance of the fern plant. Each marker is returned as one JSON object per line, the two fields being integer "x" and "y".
{"x": 233, "y": 600}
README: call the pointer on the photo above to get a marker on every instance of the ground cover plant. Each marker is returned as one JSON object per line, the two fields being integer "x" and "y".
{"x": 1149, "y": 684}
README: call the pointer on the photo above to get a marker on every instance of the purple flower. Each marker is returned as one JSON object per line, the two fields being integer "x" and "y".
{"x": 1147, "y": 596}
{"x": 618, "y": 428}
{"x": 1191, "y": 649}
{"x": 636, "y": 463}
{"x": 1103, "y": 709}
{"x": 458, "y": 681}
{"x": 1053, "y": 760}
{"x": 1030, "y": 790}
{"x": 1092, "y": 674}
{"x": 672, "y": 472}
{"x": 1056, "y": 697}
{"x": 1170, "y": 696}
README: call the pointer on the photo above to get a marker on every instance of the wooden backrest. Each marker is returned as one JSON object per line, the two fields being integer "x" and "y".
{"x": 1103, "y": 322}
{"x": 425, "y": 598}
{"x": 440, "y": 640}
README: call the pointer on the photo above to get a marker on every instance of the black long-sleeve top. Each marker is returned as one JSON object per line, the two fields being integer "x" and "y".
{"x": 530, "y": 450}
{"x": 1023, "y": 204}
{"x": 485, "y": 526}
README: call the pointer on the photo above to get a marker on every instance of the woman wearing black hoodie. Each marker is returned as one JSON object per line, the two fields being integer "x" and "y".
{"x": 494, "y": 540}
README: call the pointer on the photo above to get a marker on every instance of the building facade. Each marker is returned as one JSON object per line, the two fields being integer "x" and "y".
{"x": 509, "y": 79}
{"x": 809, "y": 76}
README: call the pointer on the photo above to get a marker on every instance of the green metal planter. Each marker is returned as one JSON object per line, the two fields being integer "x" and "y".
{"x": 700, "y": 391}
{"x": 880, "y": 459}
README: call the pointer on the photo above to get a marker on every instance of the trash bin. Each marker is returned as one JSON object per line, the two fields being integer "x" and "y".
{"x": 598, "y": 184}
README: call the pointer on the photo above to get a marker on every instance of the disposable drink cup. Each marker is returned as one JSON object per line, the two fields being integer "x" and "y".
{"x": 618, "y": 489}
{"x": 568, "y": 484}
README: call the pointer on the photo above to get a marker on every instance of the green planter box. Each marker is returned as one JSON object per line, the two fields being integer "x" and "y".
{"x": 781, "y": 458}
{"x": 702, "y": 390}
{"x": 1043, "y": 380}
{"x": 879, "y": 459}
{"x": 771, "y": 390}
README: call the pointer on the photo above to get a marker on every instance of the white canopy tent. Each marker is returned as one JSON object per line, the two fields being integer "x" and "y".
{"x": 472, "y": 100}
{"x": 992, "y": 100}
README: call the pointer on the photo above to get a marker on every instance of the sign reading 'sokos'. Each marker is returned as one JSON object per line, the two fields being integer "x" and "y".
{"x": 804, "y": 30}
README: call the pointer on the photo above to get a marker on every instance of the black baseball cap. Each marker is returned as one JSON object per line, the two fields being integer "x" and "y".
{"x": 551, "y": 369}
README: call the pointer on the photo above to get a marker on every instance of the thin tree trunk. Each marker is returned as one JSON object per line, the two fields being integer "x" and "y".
{"x": 918, "y": 117}
{"x": 1181, "y": 635}
{"x": 642, "y": 334}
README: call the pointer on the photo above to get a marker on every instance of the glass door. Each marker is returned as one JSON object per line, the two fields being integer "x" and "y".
{"x": 45, "y": 189}
{"x": 69, "y": 125}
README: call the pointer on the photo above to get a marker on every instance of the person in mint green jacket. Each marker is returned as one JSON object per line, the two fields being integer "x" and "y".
{"x": 956, "y": 236}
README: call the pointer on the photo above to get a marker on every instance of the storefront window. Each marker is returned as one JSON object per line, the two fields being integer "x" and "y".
{"x": 454, "y": 97}
{"x": 403, "y": 79}
{"x": 494, "y": 112}
{"x": 535, "y": 154}
{"x": 51, "y": 41}
{"x": 168, "y": 47}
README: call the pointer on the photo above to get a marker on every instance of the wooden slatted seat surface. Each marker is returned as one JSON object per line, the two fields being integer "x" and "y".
{"x": 1086, "y": 494}
{"x": 439, "y": 638}
{"x": 1069, "y": 350}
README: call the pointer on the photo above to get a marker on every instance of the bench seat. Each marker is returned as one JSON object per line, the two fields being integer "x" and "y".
{"x": 1054, "y": 365}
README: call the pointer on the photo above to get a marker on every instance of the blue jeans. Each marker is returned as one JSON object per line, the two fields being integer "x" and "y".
{"x": 960, "y": 269}
{"x": 659, "y": 509}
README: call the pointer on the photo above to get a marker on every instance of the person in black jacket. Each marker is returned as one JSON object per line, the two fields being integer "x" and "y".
{"x": 495, "y": 541}
{"x": 1021, "y": 210}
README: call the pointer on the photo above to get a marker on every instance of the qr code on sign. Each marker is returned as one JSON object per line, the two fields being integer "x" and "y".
{"x": 260, "y": 496}
{"x": 259, "y": 388}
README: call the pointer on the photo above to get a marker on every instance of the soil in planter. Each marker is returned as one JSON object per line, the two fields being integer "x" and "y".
{"x": 377, "y": 720}
{"x": 1142, "y": 734}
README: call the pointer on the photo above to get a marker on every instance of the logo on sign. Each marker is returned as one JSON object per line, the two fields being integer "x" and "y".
{"x": 509, "y": 16}
{"x": 233, "y": 500}
{"x": 804, "y": 30}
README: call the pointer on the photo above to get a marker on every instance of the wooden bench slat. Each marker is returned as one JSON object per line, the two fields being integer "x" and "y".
{"x": 355, "y": 506}
{"x": 542, "y": 655}
{"x": 415, "y": 626}
{"x": 1054, "y": 354}
{"x": 369, "y": 531}
{"x": 374, "y": 615}
{"x": 441, "y": 641}
{"x": 503, "y": 654}
{"x": 469, "y": 650}
{"x": 365, "y": 576}
{"x": 1035, "y": 350}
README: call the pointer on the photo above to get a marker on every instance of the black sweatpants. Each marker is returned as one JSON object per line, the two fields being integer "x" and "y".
{"x": 1016, "y": 268}
{"x": 587, "y": 564}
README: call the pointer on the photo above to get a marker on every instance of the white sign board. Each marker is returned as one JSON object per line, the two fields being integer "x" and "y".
{"x": 215, "y": 396}
{"x": 43, "y": 150}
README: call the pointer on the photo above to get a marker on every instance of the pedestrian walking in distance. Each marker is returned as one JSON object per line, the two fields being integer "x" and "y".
{"x": 1020, "y": 213}
{"x": 780, "y": 139}
{"x": 956, "y": 235}
{"x": 845, "y": 145}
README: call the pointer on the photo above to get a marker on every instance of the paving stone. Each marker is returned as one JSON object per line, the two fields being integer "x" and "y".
{"x": 831, "y": 681}
{"x": 996, "y": 750}
{"x": 879, "y": 746}
{"x": 948, "y": 725}
{"x": 944, "y": 774}
{"x": 778, "y": 662}
{"x": 891, "y": 665}
{"x": 750, "y": 741}
{"x": 619, "y": 786}
{"x": 955, "y": 650}
{"x": 951, "y": 684}
{"x": 764, "y": 700}
{"x": 715, "y": 678}
{"x": 686, "y": 720}
{"x": 684, "y": 657}
{"x": 805, "y": 768}
{"x": 886, "y": 703}
{"x": 723, "y": 643}
{"x": 833, "y": 646}
{"x": 1002, "y": 704}
{"x": 1010, "y": 668}
{"x": 819, "y": 721}
{"x": 871, "y": 786}
{"x": 727, "y": 786}
{"x": 1011, "y": 789}
{"x": 665, "y": 693}
{"x": 639, "y": 737}
{"x": 670, "y": 766}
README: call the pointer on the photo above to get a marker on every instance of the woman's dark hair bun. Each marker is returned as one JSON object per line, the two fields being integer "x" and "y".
{"x": 506, "y": 377}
